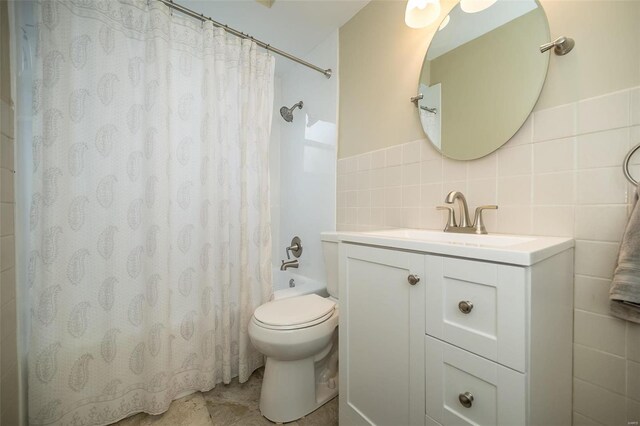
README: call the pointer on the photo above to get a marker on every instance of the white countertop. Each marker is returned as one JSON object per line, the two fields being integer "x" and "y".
{"x": 524, "y": 250}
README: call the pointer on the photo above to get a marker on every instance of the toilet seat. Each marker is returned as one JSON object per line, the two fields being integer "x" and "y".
{"x": 294, "y": 313}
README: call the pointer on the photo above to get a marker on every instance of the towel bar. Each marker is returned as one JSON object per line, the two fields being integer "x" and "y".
{"x": 625, "y": 164}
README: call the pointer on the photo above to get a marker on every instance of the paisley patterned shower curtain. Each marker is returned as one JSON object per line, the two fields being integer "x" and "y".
{"x": 149, "y": 224}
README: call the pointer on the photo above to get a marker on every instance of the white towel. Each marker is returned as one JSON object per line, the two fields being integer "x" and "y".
{"x": 625, "y": 287}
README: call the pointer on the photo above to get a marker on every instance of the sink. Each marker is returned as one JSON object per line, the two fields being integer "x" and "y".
{"x": 494, "y": 240}
{"x": 513, "y": 249}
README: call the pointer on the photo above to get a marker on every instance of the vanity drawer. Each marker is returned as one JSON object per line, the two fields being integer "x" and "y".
{"x": 478, "y": 306}
{"x": 465, "y": 389}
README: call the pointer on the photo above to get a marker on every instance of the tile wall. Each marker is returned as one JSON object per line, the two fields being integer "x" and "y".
{"x": 560, "y": 175}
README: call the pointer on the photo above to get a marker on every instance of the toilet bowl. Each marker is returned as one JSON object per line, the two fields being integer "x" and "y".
{"x": 299, "y": 338}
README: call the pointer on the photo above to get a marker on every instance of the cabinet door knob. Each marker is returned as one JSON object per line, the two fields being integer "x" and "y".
{"x": 413, "y": 279}
{"x": 465, "y": 306}
{"x": 466, "y": 399}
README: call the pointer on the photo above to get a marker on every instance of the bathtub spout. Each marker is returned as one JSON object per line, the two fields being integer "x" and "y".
{"x": 290, "y": 264}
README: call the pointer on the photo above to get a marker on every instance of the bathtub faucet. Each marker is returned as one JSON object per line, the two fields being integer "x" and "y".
{"x": 290, "y": 264}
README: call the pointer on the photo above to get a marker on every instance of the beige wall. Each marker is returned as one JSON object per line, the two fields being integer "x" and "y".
{"x": 380, "y": 60}
{"x": 8, "y": 354}
{"x": 489, "y": 86}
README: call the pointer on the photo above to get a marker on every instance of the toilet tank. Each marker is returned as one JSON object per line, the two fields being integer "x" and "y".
{"x": 330, "y": 254}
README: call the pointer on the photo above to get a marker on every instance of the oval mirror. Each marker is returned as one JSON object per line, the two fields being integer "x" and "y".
{"x": 482, "y": 75}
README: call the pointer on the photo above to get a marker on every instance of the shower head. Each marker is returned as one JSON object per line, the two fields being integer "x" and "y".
{"x": 287, "y": 113}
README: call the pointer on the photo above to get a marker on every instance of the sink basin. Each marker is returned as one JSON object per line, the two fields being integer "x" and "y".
{"x": 494, "y": 240}
{"x": 513, "y": 249}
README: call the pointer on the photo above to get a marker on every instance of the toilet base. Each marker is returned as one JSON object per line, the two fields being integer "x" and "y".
{"x": 293, "y": 389}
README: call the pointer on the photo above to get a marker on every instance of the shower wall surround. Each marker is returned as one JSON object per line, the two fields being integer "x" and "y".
{"x": 303, "y": 163}
{"x": 8, "y": 349}
{"x": 559, "y": 175}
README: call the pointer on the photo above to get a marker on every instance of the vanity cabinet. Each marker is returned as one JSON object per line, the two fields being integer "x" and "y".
{"x": 432, "y": 339}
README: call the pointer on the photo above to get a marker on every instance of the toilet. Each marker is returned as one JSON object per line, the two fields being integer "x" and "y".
{"x": 299, "y": 338}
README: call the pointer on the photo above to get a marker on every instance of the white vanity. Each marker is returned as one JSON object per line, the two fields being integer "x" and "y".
{"x": 443, "y": 329}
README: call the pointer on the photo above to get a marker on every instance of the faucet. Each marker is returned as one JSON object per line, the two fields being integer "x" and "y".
{"x": 465, "y": 226}
{"x": 290, "y": 264}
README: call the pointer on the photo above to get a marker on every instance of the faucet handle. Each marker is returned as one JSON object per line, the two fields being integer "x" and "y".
{"x": 478, "y": 223}
{"x": 451, "y": 219}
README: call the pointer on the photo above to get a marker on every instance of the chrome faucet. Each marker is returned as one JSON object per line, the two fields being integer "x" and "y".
{"x": 465, "y": 226}
{"x": 290, "y": 264}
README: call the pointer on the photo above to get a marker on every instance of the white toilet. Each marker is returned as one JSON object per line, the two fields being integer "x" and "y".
{"x": 299, "y": 337}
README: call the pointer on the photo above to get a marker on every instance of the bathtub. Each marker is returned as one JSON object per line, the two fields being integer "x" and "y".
{"x": 303, "y": 285}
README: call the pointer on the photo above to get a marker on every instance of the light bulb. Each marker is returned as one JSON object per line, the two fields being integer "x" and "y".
{"x": 420, "y": 13}
{"x": 473, "y": 6}
{"x": 444, "y": 23}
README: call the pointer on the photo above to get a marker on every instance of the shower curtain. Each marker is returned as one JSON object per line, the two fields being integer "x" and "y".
{"x": 149, "y": 243}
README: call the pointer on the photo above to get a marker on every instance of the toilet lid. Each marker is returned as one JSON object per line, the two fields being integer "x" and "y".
{"x": 294, "y": 310}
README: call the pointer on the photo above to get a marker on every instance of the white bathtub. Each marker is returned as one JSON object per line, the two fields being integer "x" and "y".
{"x": 303, "y": 285}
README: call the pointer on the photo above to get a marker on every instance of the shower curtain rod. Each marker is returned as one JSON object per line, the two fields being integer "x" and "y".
{"x": 327, "y": 72}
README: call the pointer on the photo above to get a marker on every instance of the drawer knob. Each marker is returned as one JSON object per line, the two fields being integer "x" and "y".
{"x": 413, "y": 279}
{"x": 466, "y": 399}
{"x": 465, "y": 306}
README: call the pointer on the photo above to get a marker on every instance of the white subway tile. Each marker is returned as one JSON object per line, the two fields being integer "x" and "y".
{"x": 411, "y": 174}
{"x": 602, "y": 186}
{"x": 431, "y": 195}
{"x": 515, "y": 161}
{"x": 482, "y": 191}
{"x": 430, "y": 218}
{"x": 393, "y": 217}
{"x": 633, "y": 341}
{"x": 601, "y": 222}
{"x": 514, "y": 219}
{"x": 554, "y": 188}
{"x": 554, "y": 156}
{"x": 7, "y": 248}
{"x": 8, "y": 283}
{"x": 8, "y": 354}
{"x": 352, "y": 198}
{"x": 457, "y": 185}
{"x": 524, "y": 135}
{"x": 411, "y": 217}
{"x": 591, "y": 294}
{"x": 363, "y": 181}
{"x": 603, "y": 149}
{"x": 341, "y": 167}
{"x": 603, "y": 112}
{"x": 485, "y": 167}
{"x": 351, "y": 216}
{"x": 599, "y": 404}
{"x": 378, "y": 197}
{"x": 341, "y": 218}
{"x": 633, "y": 380}
{"x": 393, "y": 197}
{"x": 595, "y": 258}
{"x": 429, "y": 152}
{"x": 411, "y": 152}
{"x": 379, "y": 159}
{"x": 453, "y": 170}
{"x": 364, "y": 161}
{"x": 393, "y": 176}
{"x": 411, "y": 196}
{"x": 599, "y": 368}
{"x": 555, "y": 221}
{"x": 364, "y": 216}
{"x": 350, "y": 182}
{"x": 514, "y": 190}
{"x": 351, "y": 164}
{"x": 377, "y": 217}
{"x": 364, "y": 198}
{"x": 554, "y": 123}
{"x": 7, "y": 319}
{"x": 599, "y": 332}
{"x": 394, "y": 155}
{"x": 341, "y": 200}
{"x": 431, "y": 171}
{"x": 377, "y": 178}
{"x": 635, "y": 106}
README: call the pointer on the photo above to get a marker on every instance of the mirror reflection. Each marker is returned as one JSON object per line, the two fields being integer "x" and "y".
{"x": 481, "y": 76}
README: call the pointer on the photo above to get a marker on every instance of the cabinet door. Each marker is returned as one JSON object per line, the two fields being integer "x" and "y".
{"x": 381, "y": 337}
{"x": 465, "y": 389}
{"x": 478, "y": 306}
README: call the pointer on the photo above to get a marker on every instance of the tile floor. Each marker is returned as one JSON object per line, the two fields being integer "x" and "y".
{"x": 235, "y": 404}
